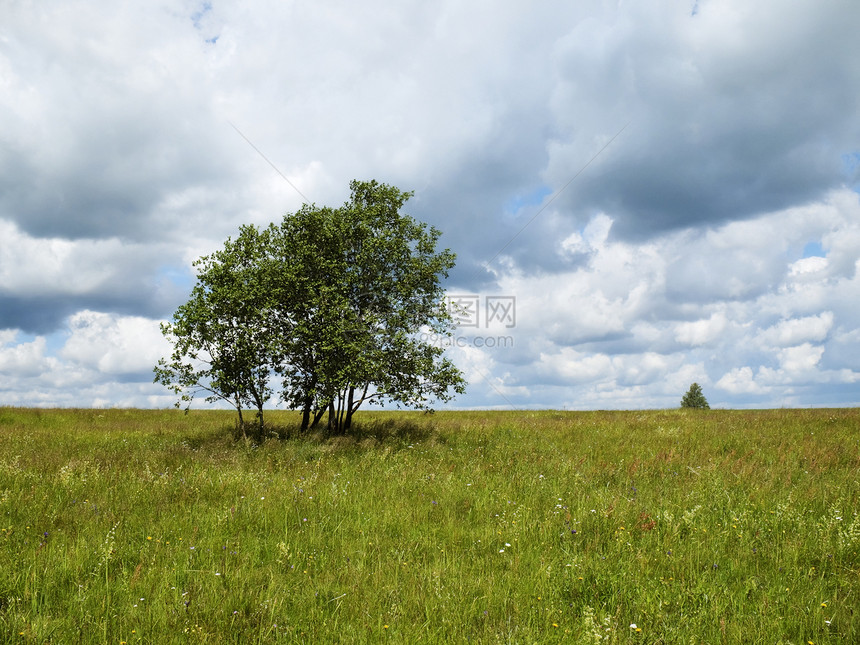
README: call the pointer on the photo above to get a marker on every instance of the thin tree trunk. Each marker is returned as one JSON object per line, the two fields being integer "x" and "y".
{"x": 347, "y": 424}
{"x": 241, "y": 420}
{"x": 353, "y": 406}
{"x": 258, "y": 399}
{"x": 307, "y": 410}
{"x": 306, "y": 415}
{"x": 318, "y": 416}
{"x": 341, "y": 397}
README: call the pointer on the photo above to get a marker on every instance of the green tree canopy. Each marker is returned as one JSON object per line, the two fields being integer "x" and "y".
{"x": 332, "y": 300}
{"x": 694, "y": 398}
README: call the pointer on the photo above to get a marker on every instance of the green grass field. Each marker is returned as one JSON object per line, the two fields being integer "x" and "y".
{"x": 128, "y": 526}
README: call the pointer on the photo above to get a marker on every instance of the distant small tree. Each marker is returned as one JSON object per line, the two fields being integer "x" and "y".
{"x": 694, "y": 398}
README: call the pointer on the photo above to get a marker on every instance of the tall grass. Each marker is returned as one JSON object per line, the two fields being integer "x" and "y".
{"x": 123, "y": 526}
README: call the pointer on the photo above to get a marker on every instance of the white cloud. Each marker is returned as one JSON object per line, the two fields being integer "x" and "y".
{"x": 593, "y": 236}
{"x": 22, "y": 359}
{"x": 701, "y": 332}
{"x": 740, "y": 380}
{"x": 798, "y": 330}
{"x": 808, "y": 267}
{"x": 112, "y": 344}
{"x": 572, "y": 367}
{"x": 802, "y": 359}
{"x": 50, "y": 266}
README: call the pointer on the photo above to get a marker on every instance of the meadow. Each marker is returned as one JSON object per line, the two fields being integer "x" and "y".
{"x": 674, "y": 526}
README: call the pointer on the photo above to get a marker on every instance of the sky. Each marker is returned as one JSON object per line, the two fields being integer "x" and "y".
{"x": 641, "y": 195}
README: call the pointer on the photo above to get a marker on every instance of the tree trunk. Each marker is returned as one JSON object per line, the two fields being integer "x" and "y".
{"x": 318, "y": 416}
{"x": 353, "y": 406}
{"x": 307, "y": 410}
{"x": 241, "y": 420}
{"x": 347, "y": 424}
{"x": 258, "y": 399}
{"x": 306, "y": 415}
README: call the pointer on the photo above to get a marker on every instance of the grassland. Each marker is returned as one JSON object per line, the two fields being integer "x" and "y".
{"x": 123, "y": 526}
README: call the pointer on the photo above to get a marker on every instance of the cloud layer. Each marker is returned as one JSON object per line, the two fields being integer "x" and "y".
{"x": 715, "y": 238}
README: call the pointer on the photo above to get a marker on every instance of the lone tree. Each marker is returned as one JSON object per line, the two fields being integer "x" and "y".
{"x": 694, "y": 398}
{"x": 333, "y": 301}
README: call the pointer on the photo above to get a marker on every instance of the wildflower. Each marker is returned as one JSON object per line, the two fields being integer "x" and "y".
{"x": 824, "y": 604}
{"x": 633, "y": 626}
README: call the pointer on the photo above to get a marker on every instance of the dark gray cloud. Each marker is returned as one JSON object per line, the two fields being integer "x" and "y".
{"x": 44, "y": 314}
{"x": 730, "y": 115}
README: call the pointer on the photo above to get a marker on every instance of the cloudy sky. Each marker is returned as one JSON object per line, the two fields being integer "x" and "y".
{"x": 641, "y": 194}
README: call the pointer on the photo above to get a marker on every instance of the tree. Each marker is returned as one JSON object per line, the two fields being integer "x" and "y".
{"x": 221, "y": 335}
{"x": 694, "y": 398}
{"x": 355, "y": 287}
{"x": 332, "y": 300}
